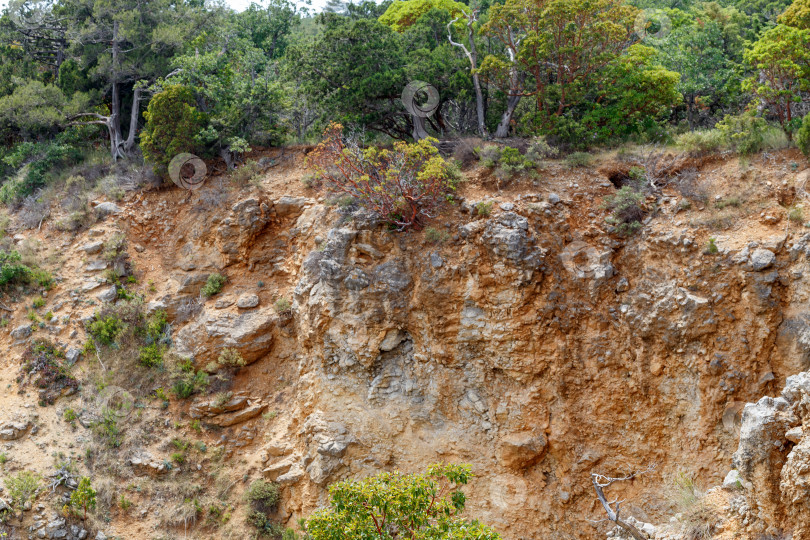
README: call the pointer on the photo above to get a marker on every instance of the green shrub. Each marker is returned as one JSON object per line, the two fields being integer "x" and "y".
{"x": 263, "y": 495}
{"x": 484, "y": 209}
{"x": 413, "y": 505}
{"x": 627, "y": 213}
{"x": 179, "y": 458}
{"x": 248, "y": 172}
{"x": 14, "y": 272}
{"x": 711, "y": 247}
{"x": 213, "y": 284}
{"x": 83, "y": 496}
{"x": 106, "y": 329}
{"x": 172, "y": 122}
{"x": 730, "y": 201}
{"x": 189, "y": 382}
{"x": 107, "y": 428}
{"x": 45, "y": 363}
{"x": 282, "y": 306}
{"x": 796, "y": 215}
{"x": 701, "y": 142}
{"x": 803, "y": 136}
{"x": 22, "y": 488}
{"x": 70, "y": 415}
{"x": 38, "y": 302}
{"x": 404, "y": 187}
{"x": 231, "y": 358}
{"x": 151, "y": 355}
{"x": 578, "y": 159}
{"x": 436, "y": 236}
{"x": 115, "y": 247}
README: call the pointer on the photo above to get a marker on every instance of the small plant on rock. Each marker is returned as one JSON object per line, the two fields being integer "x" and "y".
{"x": 436, "y": 236}
{"x": 626, "y": 211}
{"x": 484, "y": 209}
{"x": 283, "y": 306}
{"x": 231, "y": 358}
{"x": 213, "y": 284}
{"x": 711, "y": 247}
{"x": 22, "y": 488}
{"x": 83, "y": 497}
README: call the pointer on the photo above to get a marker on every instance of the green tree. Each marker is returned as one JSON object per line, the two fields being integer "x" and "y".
{"x": 355, "y": 70}
{"x": 781, "y": 60}
{"x": 392, "y": 506}
{"x": 127, "y": 44}
{"x": 32, "y": 110}
{"x": 797, "y": 15}
{"x": 83, "y": 496}
{"x": 172, "y": 123}
{"x": 22, "y": 488}
{"x": 705, "y": 53}
{"x": 553, "y": 50}
{"x": 402, "y": 14}
{"x": 803, "y": 136}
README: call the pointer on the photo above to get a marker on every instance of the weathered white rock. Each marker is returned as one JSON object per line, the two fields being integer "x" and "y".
{"x": 93, "y": 247}
{"x": 762, "y": 259}
{"x": 109, "y": 294}
{"x": 733, "y": 480}
{"x": 107, "y": 208}
{"x": 247, "y": 301}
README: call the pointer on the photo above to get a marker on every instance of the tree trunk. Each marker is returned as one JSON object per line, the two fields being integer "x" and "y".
{"x": 472, "y": 56}
{"x": 419, "y": 131}
{"x": 115, "y": 118}
{"x": 506, "y": 119}
{"x": 133, "y": 120}
{"x": 479, "y": 96}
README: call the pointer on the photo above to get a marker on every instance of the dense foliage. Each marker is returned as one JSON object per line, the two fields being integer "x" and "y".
{"x": 404, "y": 186}
{"x": 150, "y": 79}
{"x": 396, "y": 505}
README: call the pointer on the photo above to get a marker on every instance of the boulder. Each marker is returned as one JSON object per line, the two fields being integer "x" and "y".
{"x": 278, "y": 468}
{"x": 761, "y": 259}
{"x": 522, "y": 449}
{"x": 93, "y": 247}
{"x": 109, "y": 294}
{"x": 13, "y": 430}
{"x": 21, "y": 332}
{"x": 247, "y": 301}
{"x": 145, "y": 465}
{"x": 249, "y": 332}
{"x": 107, "y": 208}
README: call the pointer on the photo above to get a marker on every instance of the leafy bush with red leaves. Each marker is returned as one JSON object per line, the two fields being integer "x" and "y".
{"x": 44, "y": 365}
{"x": 405, "y": 186}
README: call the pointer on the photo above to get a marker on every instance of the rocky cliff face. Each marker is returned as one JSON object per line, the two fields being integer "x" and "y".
{"x": 531, "y": 343}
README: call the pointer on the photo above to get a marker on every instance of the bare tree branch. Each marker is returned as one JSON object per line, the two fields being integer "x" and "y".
{"x": 600, "y": 482}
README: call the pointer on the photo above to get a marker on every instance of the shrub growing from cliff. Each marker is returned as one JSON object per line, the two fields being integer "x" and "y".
{"x": 404, "y": 187}
{"x": 396, "y": 505}
{"x": 213, "y": 284}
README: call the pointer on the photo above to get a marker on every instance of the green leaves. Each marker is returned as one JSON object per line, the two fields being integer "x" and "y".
{"x": 172, "y": 122}
{"x": 781, "y": 60}
{"x": 398, "y": 506}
